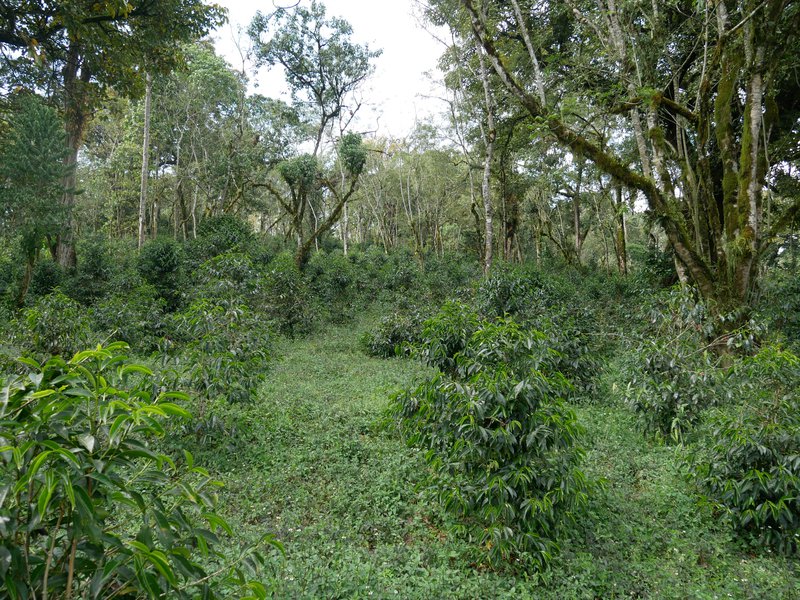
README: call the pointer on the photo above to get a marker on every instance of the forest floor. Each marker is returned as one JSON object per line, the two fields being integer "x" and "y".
{"x": 317, "y": 466}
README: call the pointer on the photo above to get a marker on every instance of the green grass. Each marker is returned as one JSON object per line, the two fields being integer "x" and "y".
{"x": 312, "y": 464}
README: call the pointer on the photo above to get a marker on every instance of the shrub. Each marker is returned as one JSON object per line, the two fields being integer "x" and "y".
{"x": 222, "y": 351}
{"x": 670, "y": 386}
{"x": 47, "y": 276}
{"x": 572, "y": 334}
{"x": 509, "y": 291}
{"x": 446, "y": 335}
{"x": 672, "y": 374}
{"x": 160, "y": 264}
{"x": 747, "y": 466}
{"x": 56, "y": 324}
{"x": 230, "y": 277}
{"x": 331, "y": 279}
{"x": 780, "y": 305}
{"x": 502, "y": 446}
{"x": 219, "y": 235}
{"x": 395, "y": 334}
{"x": 89, "y": 508}
{"x": 445, "y": 276}
{"x": 135, "y": 316}
{"x": 288, "y": 302}
{"x": 90, "y": 279}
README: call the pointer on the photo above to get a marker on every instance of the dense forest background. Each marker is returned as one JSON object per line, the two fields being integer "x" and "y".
{"x": 544, "y": 346}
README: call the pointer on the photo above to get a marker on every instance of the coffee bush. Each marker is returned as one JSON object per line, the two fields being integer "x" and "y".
{"x": 88, "y": 507}
{"x": 396, "y": 334}
{"x": 502, "y": 446}
{"x": 747, "y": 464}
{"x": 55, "y": 324}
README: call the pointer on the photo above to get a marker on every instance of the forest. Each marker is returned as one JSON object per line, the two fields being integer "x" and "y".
{"x": 543, "y": 346}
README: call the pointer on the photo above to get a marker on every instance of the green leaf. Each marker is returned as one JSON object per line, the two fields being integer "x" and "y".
{"x": 217, "y": 521}
{"x": 116, "y": 426}
{"x": 127, "y": 369}
{"x": 87, "y": 440}
{"x": 5, "y": 561}
{"x": 36, "y": 464}
{"x": 33, "y": 364}
{"x": 46, "y": 493}
{"x": 174, "y": 395}
{"x": 174, "y": 410}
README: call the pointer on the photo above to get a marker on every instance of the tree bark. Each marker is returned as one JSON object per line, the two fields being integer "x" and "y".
{"x": 76, "y": 79}
{"x": 610, "y": 164}
{"x": 145, "y": 159}
{"x": 489, "y": 135}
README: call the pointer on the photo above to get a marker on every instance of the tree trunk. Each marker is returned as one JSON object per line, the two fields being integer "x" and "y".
{"x": 489, "y": 139}
{"x": 25, "y": 284}
{"x": 345, "y": 226}
{"x": 576, "y": 213}
{"x": 620, "y": 232}
{"x": 145, "y": 158}
{"x": 76, "y": 79}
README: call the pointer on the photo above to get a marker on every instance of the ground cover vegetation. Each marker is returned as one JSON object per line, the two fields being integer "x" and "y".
{"x": 284, "y": 359}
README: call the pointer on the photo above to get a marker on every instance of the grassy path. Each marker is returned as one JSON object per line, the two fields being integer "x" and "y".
{"x": 313, "y": 466}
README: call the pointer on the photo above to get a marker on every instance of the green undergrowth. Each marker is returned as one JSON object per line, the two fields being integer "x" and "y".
{"x": 313, "y": 463}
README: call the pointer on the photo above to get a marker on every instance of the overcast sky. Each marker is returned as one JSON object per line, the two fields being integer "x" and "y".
{"x": 395, "y": 97}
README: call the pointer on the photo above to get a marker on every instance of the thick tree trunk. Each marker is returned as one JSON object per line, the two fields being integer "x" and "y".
{"x": 76, "y": 78}
{"x": 304, "y": 248}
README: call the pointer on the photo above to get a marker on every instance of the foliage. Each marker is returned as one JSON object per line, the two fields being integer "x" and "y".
{"x": 321, "y": 64}
{"x": 671, "y": 385}
{"x": 47, "y": 276}
{"x": 88, "y": 506}
{"x": 134, "y": 315}
{"x": 220, "y": 235}
{"x": 300, "y": 173}
{"x": 449, "y": 275}
{"x": 31, "y": 172}
{"x": 331, "y": 278}
{"x": 229, "y": 277}
{"x": 288, "y": 302}
{"x": 90, "y": 279}
{"x": 503, "y": 447}
{"x": 446, "y": 335}
{"x": 31, "y": 168}
{"x": 160, "y": 264}
{"x": 579, "y": 347}
{"x": 352, "y": 153}
{"x": 509, "y": 291}
{"x": 672, "y": 375}
{"x": 395, "y": 334}
{"x": 747, "y": 467}
{"x": 780, "y": 305}
{"x": 56, "y": 324}
{"x": 222, "y": 351}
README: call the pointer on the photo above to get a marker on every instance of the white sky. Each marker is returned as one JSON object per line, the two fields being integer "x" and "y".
{"x": 397, "y": 95}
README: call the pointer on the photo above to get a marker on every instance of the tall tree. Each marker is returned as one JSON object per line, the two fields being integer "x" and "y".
{"x": 76, "y": 49}
{"x": 31, "y": 178}
{"x": 698, "y": 87}
{"x": 148, "y": 97}
{"x": 322, "y": 66}
{"x": 323, "y": 69}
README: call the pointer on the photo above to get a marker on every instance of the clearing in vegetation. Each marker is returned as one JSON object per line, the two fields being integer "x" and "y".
{"x": 317, "y": 465}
